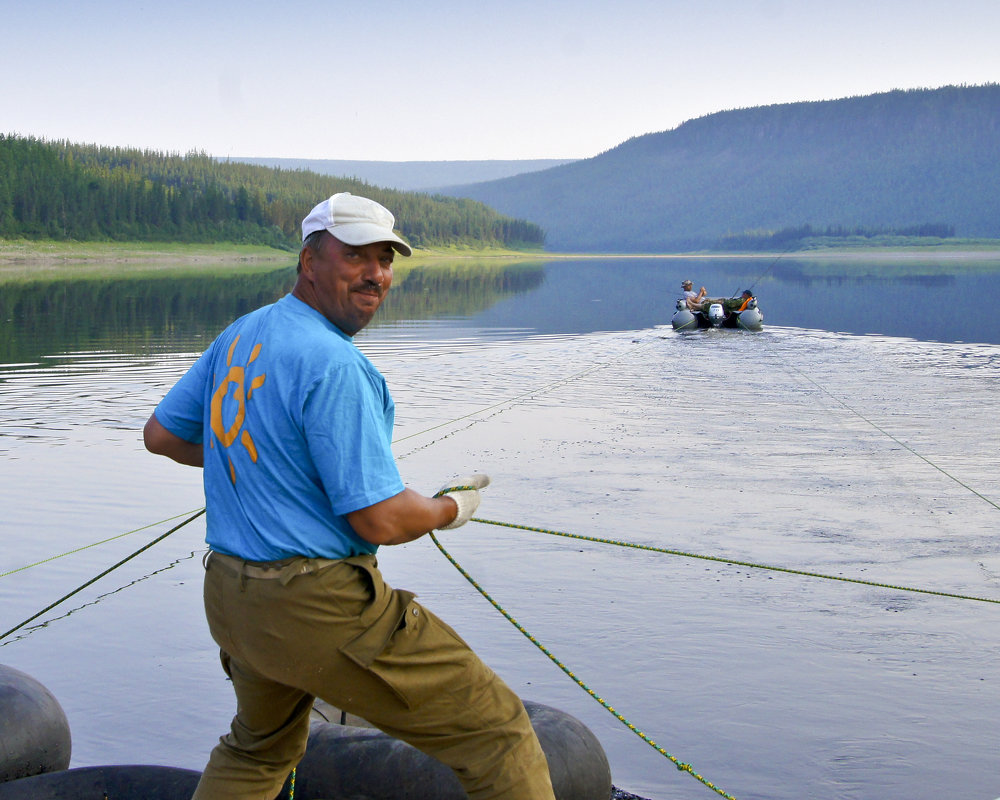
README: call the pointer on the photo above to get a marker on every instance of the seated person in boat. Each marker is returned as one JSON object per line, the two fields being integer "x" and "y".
{"x": 737, "y": 304}
{"x": 691, "y": 297}
{"x": 730, "y": 305}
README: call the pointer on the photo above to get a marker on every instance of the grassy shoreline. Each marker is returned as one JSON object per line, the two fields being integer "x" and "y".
{"x": 48, "y": 253}
{"x": 30, "y": 255}
{"x": 24, "y": 250}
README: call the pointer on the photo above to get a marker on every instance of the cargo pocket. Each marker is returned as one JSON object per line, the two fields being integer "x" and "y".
{"x": 366, "y": 648}
{"x": 416, "y": 655}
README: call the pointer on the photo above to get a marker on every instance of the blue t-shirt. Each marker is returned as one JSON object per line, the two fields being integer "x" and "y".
{"x": 297, "y": 425}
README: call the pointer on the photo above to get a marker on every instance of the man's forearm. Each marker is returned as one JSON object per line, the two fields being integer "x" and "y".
{"x": 162, "y": 442}
{"x": 402, "y": 517}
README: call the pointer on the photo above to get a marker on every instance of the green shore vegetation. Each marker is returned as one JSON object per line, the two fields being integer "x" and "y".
{"x": 30, "y": 259}
{"x": 26, "y": 258}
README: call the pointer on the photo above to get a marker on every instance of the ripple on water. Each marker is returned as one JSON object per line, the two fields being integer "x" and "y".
{"x": 843, "y": 455}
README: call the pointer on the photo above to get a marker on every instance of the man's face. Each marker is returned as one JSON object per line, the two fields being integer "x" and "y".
{"x": 349, "y": 282}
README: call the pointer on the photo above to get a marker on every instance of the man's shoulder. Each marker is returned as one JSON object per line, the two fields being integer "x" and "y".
{"x": 288, "y": 320}
{"x": 297, "y": 334}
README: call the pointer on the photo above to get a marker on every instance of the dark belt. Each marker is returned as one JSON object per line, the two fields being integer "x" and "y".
{"x": 286, "y": 568}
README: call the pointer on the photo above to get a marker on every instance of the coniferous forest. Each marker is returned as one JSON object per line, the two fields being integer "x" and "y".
{"x": 59, "y": 190}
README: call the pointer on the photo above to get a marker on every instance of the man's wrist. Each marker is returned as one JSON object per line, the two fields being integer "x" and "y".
{"x": 452, "y": 510}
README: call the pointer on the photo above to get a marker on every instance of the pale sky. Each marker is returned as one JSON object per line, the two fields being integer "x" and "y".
{"x": 434, "y": 80}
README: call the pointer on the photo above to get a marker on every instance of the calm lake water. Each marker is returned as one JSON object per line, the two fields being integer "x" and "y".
{"x": 856, "y": 437}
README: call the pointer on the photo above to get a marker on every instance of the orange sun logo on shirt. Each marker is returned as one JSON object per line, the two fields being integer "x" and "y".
{"x": 237, "y": 378}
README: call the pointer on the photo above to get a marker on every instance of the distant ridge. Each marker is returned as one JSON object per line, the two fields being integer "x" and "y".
{"x": 900, "y": 159}
{"x": 410, "y": 175}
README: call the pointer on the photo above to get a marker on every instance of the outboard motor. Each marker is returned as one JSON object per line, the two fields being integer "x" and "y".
{"x": 715, "y": 314}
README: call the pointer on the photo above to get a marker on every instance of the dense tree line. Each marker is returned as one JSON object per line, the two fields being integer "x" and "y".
{"x": 801, "y": 235}
{"x": 60, "y": 190}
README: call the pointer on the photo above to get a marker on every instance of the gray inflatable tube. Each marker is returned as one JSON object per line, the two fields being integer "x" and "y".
{"x": 344, "y": 762}
{"x": 34, "y": 732}
{"x": 130, "y": 782}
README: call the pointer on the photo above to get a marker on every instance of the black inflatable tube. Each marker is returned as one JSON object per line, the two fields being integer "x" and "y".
{"x": 344, "y": 763}
{"x": 347, "y": 763}
{"x": 128, "y": 782}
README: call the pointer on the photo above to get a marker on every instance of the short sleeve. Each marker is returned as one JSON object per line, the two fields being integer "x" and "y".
{"x": 182, "y": 410}
{"x": 348, "y": 420}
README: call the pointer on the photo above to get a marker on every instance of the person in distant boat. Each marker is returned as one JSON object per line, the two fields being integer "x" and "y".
{"x": 293, "y": 427}
{"x": 691, "y": 297}
{"x": 737, "y": 304}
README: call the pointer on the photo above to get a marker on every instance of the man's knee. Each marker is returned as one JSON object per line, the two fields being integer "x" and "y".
{"x": 519, "y": 770}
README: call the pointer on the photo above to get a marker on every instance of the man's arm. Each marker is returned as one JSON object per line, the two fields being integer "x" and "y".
{"x": 402, "y": 517}
{"x": 162, "y": 442}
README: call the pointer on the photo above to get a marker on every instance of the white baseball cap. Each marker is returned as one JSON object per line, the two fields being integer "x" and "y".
{"x": 355, "y": 221}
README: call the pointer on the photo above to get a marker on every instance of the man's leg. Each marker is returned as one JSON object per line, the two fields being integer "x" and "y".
{"x": 267, "y": 739}
{"x": 269, "y": 732}
{"x": 446, "y": 702}
{"x": 411, "y": 675}
{"x": 343, "y": 635}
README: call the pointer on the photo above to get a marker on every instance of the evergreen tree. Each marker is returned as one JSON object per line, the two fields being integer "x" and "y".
{"x": 61, "y": 190}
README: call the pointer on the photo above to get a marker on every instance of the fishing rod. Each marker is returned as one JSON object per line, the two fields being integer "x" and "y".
{"x": 769, "y": 268}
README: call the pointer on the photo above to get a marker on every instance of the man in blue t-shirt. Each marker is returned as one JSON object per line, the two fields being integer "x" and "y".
{"x": 293, "y": 426}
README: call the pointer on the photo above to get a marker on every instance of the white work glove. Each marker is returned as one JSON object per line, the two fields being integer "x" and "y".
{"x": 465, "y": 492}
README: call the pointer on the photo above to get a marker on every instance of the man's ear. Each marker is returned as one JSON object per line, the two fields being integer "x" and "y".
{"x": 307, "y": 266}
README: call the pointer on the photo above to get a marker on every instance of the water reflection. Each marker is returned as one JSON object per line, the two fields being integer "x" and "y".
{"x": 126, "y": 314}
{"x": 927, "y": 301}
{"x": 796, "y": 273}
{"x": 175, "y": 313}
{"x": 455, "y": 289}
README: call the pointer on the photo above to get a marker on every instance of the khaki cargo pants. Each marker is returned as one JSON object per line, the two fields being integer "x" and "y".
{"x": 336, "y": 631}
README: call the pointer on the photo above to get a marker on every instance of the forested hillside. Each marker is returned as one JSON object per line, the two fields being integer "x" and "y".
{"x": 413, "y": 176}
{"x": 58, "y": 190}
{"x": 920, "y": 160}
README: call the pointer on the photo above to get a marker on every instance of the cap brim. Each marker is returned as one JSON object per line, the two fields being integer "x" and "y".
{"x": 362, "y": 233}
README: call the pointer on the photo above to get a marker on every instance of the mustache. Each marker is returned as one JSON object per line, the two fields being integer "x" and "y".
{"x": 372, "y": 286}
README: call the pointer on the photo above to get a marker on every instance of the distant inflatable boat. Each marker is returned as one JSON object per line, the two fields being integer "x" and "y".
{"x": 724, "y": 312}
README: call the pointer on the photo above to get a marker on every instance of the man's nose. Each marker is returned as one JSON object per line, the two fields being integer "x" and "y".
{"x": 373, "y": 270}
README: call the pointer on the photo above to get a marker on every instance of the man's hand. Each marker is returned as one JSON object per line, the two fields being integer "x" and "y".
{"x": 465, "y": 492}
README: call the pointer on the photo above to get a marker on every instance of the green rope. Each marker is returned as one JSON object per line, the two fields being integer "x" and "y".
{"x": 683, "y": 767}
{"x": 736, "y": 562}
{"x": 516, "y": 398}
{"x": 142, "y": 549}
{"x": 902, "y": 444}
{"x": 88, "y": 546}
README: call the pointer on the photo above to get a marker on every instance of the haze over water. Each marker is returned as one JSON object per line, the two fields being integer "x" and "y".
{"x": 860, "y": 456}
